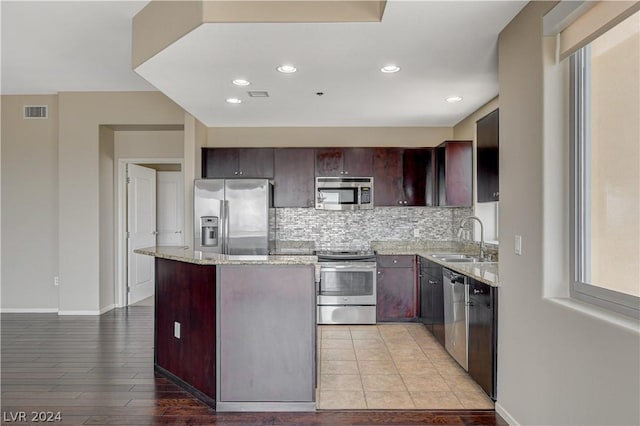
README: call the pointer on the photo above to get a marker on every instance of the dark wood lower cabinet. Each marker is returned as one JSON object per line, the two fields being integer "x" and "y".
{"x": 396, "y": 289}
{"x": 483, "y": 335}
{"x": 185, "y": 294}
{"x": 432, "y": 298}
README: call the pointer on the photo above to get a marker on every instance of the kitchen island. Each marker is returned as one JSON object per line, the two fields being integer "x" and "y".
{"x": 237, "y": 331}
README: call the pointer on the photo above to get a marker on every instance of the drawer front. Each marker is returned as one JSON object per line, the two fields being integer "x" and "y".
{"x": 390, "y": 261}
{"x": 346, "y": 314}
{"x": 480, "y": 293}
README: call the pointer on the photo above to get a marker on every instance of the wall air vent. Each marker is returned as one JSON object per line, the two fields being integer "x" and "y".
{"x": 36, "y": 111}
{"x": 258, "y": 93}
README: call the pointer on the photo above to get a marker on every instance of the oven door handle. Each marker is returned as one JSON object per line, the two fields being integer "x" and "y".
{"x": 347, "y": 268}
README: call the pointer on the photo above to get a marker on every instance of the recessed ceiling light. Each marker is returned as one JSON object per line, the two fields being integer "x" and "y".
{"x": 241, "y": 82}
{"x": 454, "y": 99}
{"x": 287, "y": 69}
{"x": 390, "y": 68}
{"x": 234, "y": 100}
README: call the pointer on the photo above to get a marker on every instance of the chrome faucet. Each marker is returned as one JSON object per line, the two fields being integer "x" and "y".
{"x": 461, "y": 229}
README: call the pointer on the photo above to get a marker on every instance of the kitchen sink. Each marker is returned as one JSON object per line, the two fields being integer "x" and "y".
{"x": 457, "y": 258}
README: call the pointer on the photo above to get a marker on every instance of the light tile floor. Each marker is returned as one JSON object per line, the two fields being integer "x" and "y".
{"x": 391, "y": 366}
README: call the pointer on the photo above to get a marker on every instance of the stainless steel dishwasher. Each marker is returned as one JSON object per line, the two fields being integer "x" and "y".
{"x": 456, "y": 312}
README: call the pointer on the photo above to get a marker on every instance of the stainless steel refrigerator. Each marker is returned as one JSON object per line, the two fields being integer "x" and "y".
{"x": 231, "y": 216}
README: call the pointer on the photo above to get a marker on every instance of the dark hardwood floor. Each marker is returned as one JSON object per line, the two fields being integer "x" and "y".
{"x": 99, "y": 370}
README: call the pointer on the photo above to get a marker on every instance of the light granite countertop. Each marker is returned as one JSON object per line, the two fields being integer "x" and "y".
{"x": 486, "y": 272}
{"x": 187, "y": 254}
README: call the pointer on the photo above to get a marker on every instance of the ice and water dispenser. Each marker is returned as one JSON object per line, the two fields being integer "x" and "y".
{"x": 209, "y": 231}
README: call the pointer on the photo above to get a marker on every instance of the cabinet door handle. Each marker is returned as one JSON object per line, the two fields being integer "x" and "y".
{"x": 405, "y": 202}
{"x": 433, "y": 282}
{"x": 240, "y": 172}
{"x": 476, "y": 291}
{"x": 400, "y": 202}
{"x": 395, "y": 261}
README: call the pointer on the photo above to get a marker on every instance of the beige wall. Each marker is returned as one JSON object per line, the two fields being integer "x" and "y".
{"x": 29, "y": 205}
{"x": 149, "y": 144}
{"x": 559, "y": 362}
{"x": 327, "y": 136}
{"x": 195, "y": 137}
{"x": 106, "y": 162}
{"x": 81, "y": 115}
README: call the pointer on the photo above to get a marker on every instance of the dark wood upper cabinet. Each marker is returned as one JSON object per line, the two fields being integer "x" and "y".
{"x": 417, "y": 177}
{"x": 237, "y": 163}
{"x": 219, "y": 162}
{"x": 294, "y": 182}
{"x": 344, "y": 162}
{"x": 387, "y": 177}
{"x": 488, "y": 143}
{"x": 403, "y": 176}
{"x": 453, "y": 174}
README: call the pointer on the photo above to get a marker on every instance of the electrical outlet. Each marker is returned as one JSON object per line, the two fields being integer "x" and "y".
{"x": 518, "y": 245}
{"x": 416, "y": 233}
{"x": 56, "y": 281}
{"x": 176, "y": 329}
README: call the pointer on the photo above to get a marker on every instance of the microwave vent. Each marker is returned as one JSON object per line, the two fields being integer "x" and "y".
{"x": 35, "y": 111}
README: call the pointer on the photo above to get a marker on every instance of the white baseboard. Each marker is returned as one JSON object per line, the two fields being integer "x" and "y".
{"x": 54, "y": 311}
{"x": 29, "y": 310}
{"x": 99, "y": 312}
{"x": 78, "y": 313}
{"x": 107, "y": 309}
{"x": 505, "y": 415}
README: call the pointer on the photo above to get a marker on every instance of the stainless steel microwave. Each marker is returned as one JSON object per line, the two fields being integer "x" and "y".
{"x": 344, "y": 193}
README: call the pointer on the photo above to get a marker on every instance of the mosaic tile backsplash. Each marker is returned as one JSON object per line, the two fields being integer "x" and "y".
{"x": 355, "y": 229}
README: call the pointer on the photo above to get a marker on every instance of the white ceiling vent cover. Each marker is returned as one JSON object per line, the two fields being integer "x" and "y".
{"x": 36, "y": 111}
{"x": 258, "y": 93}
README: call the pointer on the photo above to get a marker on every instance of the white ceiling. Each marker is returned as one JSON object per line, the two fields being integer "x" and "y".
{"x": 444, "y": 48}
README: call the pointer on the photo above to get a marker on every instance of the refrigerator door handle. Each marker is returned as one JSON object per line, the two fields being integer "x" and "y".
{"x": 223, "y": 228}
{"x": 226, "y": 226}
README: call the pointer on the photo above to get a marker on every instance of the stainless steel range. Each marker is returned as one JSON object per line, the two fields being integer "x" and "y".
{"x": 347, "y": 287}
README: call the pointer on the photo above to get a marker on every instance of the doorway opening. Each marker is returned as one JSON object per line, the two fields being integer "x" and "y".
{"x": 150, "y": 206}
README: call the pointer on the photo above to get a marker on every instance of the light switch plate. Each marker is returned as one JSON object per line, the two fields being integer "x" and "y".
{"x": 176, "y": 329}
{"x": 518, "y": 245}
{"x": 416, "y": 232}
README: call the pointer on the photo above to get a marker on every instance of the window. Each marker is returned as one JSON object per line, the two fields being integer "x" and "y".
{"x": 606, "y": 169}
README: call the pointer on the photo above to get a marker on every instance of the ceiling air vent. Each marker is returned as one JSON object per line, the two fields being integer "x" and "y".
{"x": 35, "y": 111}
{"x": 258, "y": 93}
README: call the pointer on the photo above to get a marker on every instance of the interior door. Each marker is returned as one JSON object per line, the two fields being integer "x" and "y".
{"x": 170, "y": 209}
{"x": 141, "y": 230}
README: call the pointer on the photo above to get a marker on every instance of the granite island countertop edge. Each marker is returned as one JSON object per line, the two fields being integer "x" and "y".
{"x": 486, "y": 272}
{"x": 186, "y": 254}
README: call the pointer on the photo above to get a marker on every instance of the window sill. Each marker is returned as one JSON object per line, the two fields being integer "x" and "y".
{"x": 588, "y": 309}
